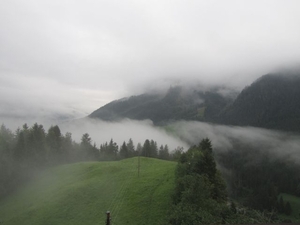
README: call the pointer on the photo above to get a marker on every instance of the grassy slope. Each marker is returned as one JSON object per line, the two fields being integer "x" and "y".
{"x": 81, "y": 193}
{"x": 295, "y": 205}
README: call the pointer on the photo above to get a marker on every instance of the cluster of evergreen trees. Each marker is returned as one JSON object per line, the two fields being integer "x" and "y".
{"x": 111, "y": 151}
{"x": 200, "y": 193}
{"x": 30, "y": 149}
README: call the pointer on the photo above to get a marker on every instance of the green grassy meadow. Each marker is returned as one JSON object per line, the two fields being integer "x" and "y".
{"x": 81, "y": 193}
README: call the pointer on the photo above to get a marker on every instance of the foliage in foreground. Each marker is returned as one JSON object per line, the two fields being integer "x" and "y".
{"x": 200, "y": 192}
{"x": 200, "y": 195}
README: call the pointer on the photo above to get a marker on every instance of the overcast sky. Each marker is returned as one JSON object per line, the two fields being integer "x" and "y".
{"x": 71, "y": 57}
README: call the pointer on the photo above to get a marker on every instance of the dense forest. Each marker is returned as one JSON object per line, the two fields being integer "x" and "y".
{"x": 30, "y": 149}
{"x": 272, "y": 101}
{"x": 256, "y": 177}
{"x": 201, "y": 197}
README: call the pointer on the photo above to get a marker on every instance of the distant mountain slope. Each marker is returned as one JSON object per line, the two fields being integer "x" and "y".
{"x": 176, "y": 104}
{"x": 81, "y": 193}
{"x": 273, "y": 101}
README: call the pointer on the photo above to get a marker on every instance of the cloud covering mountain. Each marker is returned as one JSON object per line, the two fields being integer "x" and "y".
{"x": 76, "y": 56}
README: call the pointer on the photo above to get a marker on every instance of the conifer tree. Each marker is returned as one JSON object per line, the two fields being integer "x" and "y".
{"x": 281, "y": 205}
{"x": 146, "y": 148}
{"x": 130, "y": 147}
{"x": 54, "y": 143}
{"x": 153, "y": 149}
{"x": 164, "y": 152}
{"x": 113, "y": 149}
{"x": 139, "y": 149}
{"x": 288, "y": 208}
{"x": 124, "y": 153}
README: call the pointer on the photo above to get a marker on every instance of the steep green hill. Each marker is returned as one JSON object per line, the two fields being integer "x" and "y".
{"x": 81, "y": 193}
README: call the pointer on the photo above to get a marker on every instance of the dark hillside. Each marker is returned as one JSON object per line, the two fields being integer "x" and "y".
{"x": 273, "y": 101}
{"x": 176, "y": 104}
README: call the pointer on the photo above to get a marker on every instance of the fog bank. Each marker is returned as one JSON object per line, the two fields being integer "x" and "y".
{"x": 102, "y": 131}
{"x": 187, "y": 133}
{"x": 280, "y": 144}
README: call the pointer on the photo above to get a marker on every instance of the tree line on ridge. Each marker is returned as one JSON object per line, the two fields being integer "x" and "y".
{"x": 27, "y": 150}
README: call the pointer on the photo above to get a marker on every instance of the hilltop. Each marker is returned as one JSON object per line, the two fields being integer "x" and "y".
{"x": 81, "y": 193}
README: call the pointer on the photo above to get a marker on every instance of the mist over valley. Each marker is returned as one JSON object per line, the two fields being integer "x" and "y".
{"x": 149, "y": 112}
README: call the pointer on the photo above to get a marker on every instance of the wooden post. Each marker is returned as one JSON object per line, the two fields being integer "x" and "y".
{"x": 108, "y": 218}
{"x": 139, "y": 165}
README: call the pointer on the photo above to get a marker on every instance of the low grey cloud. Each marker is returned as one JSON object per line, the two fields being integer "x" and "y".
{"x": 138, "y": 131}
{"x": 66, "y": 56}
{"x": 281, "y": 145}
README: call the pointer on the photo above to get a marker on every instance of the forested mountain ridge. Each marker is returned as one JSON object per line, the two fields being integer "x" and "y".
{"x": 272, "y": 101}
{"x": 177, "y": 104}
